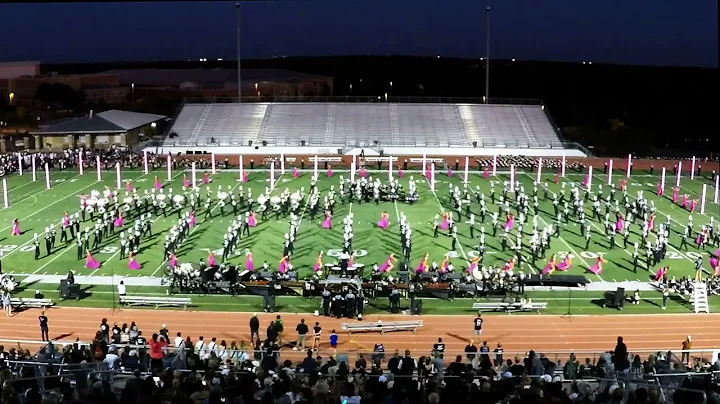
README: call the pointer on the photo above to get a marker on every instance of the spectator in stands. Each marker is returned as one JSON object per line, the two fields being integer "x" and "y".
{"x": 99, "y": 347}
{"x": 471, "y": 351}
{"x": 157, "y": 343}
{"x": 112, "y": 360}
{"x": 620, "y": 358}
{"x": 105, "y": 330}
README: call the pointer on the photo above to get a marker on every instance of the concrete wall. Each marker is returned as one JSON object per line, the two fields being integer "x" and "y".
{"x": 389, "y": 151}
{"x": 12, "y": 70}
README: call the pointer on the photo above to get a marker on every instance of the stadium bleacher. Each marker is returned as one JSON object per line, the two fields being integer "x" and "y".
{"x": 340, "y": 125}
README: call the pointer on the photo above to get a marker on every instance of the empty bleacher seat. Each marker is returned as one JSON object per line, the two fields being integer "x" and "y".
{"x": 340, "y": 125}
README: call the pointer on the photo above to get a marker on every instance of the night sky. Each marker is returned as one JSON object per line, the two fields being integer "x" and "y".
{"x": 647, "y": 32}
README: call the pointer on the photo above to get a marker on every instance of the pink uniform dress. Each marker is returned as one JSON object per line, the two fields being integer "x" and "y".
{"x": 119, "y": 221}
{"x": 383, "y": 223}
{"x": 211, "y": 260}
{"x": 173, "y": 261}
{"x": 400, "y": 172}
{"x": 565, "y": 264}
{"x": 282, "y": 268}
{"x": 90, "y": 262}
{"x": 387, "y": 265}
{"x": 16, "y": 228}
{"x": 473, "y": 266}
{"x": 598, "y": 267}
{"x": 191, "y": 221}
{"x": 249, "y": 262}
{"x": 296, "y": 172}
{"x": 128, "y": 187}
{"x": 550, "y": 267}
{"x": 186, "y": 182}
{"x": 244, "y": 177}
{"x": 326, "y": 224}
{"x": 449, "y": 172}
{"x": 422, "y": 267}
{"x": 157, "y": 184}
{"x": 486, "y": 174}
{"x": 329, "y": 172}
{"x": 445, "y": 224}
{"x": 133, "y": 264}
{"x": 206, "y": 179}
{"x": 509, "y": 223}
{"x": 363, "y": 172}
{"x": 252, "y": 220}
{"x": 318, "y": 263}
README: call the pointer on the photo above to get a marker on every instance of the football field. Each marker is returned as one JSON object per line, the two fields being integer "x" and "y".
{"x": 37, "y": 207}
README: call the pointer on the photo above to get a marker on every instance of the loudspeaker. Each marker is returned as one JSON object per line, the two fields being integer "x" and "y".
{"x": 264, "y": 143}
{"x": 250, "y": 143}
{"x": 474, "y": 144}
{"x": 302, "y": 143}
{"x": 619, "y": 297}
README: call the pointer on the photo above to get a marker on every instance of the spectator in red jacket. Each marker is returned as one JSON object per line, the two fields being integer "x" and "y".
{"x": 156, "y": 351}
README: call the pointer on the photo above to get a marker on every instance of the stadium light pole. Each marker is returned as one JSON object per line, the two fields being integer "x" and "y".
{"x": 487, "y": 51}
{"x": 239, "y": 77}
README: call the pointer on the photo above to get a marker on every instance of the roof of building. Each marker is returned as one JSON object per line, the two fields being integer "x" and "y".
{"x": 112, "y": 121}
{"x": 128, "y": 119}
{"x": 173, "y": 77}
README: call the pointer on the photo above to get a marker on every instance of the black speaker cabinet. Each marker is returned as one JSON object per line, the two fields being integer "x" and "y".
{"x": 614, "y": 299}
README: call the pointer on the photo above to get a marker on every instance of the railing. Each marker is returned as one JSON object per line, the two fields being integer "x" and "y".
{"x": 493, "y": 144}
{"x": 367, "y": 99}
{"x": 559, "y": 357}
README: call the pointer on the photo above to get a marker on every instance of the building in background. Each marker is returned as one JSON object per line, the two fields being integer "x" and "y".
{"x": 97, "y": 131}
{"x": 209, "y": 83}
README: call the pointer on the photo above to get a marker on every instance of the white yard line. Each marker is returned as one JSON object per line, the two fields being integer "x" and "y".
{"x": 68, "y": 248}
{"x": 154, "y": 220}
{"x": 49, "y": 205}
{"x": 658, "y": 210}
{"x": 572, "y": 250}
{"x": 198, "y": 225}
{"x": 442, "y": 209}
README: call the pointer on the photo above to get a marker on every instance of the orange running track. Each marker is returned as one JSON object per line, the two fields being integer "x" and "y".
{"x": 517, "y": 333}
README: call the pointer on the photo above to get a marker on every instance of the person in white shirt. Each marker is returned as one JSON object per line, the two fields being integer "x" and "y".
{"x": 200, "y": 347}
{"x": 179, "y": 341}
{"x": 112, "y": 359}
{"x": 212, "y": 348}
{"x": 121, "y": 289}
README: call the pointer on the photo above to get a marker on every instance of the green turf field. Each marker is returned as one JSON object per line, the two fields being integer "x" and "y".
{"x": 37, "y": 207}
{"x": 579, "y": 302}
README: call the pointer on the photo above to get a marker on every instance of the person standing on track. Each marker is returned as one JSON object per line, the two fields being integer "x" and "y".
{"x": 302, "y": 330}
{"x": 44, "y": 331}
{"x": 317, "y": 331}
{"x": 477, "y": 324}
{"x": 254, "y": 329}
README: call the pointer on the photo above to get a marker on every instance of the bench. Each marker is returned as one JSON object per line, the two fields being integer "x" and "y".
{"x": 159, "y": 301}
{"x": 382, "y": 326}
{"x": 510, "y": 307}
{"x": 27, "y": 302}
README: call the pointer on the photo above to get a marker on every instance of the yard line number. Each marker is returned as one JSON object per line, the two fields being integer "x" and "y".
{"x": 7, "y": 248}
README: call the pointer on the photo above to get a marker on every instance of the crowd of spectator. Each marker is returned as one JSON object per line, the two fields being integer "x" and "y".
{"x": 120, "y": 365}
